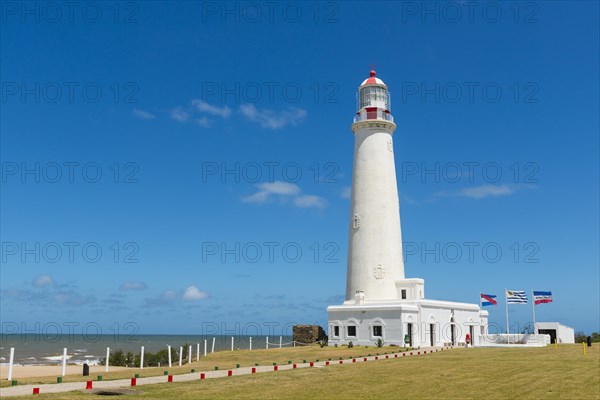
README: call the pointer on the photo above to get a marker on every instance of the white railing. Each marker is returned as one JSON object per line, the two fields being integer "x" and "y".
{"x": 376, "y": 114}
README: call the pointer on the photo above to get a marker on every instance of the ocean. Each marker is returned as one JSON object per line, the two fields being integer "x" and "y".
{"x": 32, "y": 349}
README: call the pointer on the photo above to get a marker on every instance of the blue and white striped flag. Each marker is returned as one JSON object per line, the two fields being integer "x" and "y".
{"x": 516, "y": 297}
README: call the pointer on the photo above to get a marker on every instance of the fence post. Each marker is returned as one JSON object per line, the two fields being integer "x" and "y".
{"x": 213, "y": 346}
{"x": 142, "y": 358}
{"x": 169, "y": 348}
{"x": 250, "y": 343}
{"x": 11, "y": 362}
{"x": 267, "y": 343}
{"x": 107, "y": 357}
{"x": 232, "y": 343}
{"x": 64, "y": 364}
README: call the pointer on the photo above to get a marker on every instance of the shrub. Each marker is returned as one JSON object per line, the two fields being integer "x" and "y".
{"x": 350, "y": 345}
{"x": 379, "y": 342}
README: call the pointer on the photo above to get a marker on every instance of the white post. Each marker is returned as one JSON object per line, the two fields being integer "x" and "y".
{"x": 507, "y": 326}
{"x": 64, "y": 365}
{"x": 280, "y": 339}
{"x": 180, "y": 354}
{"x": 250, "y": 343}
{"x": 213, "y": 346}
{"x": 107, "y": 356}
{"x": 11, "y": 362}
{"x": 293, "y": 341}
{"x": 232, "y": 343}
{"x": 533, "y": 309}
{"x": 204, "y": 347}
{"x": 142, "y": 358}
{"x": 190, "y": 355}
{"x": 197, "y": 351}
{"x": 267, "y": 343}
{"x": 169, "y": 348}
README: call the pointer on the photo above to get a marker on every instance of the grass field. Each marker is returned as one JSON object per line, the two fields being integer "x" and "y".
{"x": 228, "y": 360}
{"x": 534, "y": 373}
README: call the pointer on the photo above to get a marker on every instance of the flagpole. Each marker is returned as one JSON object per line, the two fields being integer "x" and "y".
{"x": 507, "y": 326}
{"x": 533, "y": 308}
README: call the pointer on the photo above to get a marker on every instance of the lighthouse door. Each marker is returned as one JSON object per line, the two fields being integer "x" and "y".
{"x": 410, "y": 334}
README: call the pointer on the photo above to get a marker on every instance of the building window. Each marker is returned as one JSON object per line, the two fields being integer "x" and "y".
{"x": 336, "y": 331}
{"x": 356, "y": 221}
{"x": 377, "y": 330}
{"x": 403, "y": 294}
{"x": 352, "y": 331}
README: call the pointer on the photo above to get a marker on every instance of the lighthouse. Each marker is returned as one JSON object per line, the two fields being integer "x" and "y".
{"x": 381, "y": 304}
{"x": 375, "y": 242}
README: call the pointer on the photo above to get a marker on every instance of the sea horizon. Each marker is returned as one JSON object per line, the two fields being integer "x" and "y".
{"x": 37, "y": 349}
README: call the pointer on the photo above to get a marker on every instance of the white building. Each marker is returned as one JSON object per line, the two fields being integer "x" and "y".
{"x": 380, "y": 302}
{"x": 562, "y": 333}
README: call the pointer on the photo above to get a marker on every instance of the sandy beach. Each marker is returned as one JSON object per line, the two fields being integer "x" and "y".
{"x": 28, "y": 371}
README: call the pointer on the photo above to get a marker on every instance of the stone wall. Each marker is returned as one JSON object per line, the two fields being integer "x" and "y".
{"x": 308, "y": 333}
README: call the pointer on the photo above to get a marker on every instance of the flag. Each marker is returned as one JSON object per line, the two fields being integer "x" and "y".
{"x": 488, "y": 299}
{"x": 542, "y": 297}
{"x": 516, "y": 297}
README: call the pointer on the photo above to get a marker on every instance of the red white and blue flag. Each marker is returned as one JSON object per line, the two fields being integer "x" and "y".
{"x": 488, "y": 299}
{"x": 542, "y": 297}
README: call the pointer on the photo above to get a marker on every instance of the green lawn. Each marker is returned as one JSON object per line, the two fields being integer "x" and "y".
{"x": 535, "y": 373}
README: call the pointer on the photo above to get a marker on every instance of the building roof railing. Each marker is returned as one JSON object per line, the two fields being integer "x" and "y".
{"x": 364, "y": 115}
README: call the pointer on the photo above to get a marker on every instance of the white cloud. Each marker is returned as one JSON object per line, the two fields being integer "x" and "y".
{"x": 179, "y": 115}
{"x": 203, "y": 122}
{"x": 130, "y": 285}
{"x": 284, "y": 191}
{"x": 273, "y": 119}
{"x": 202, "y": 106}
{"x": 166, "y": 298}
{"x": 169, "y": 295}
{"x": 280, "y": 187}
{"x": 267, "y": 189}
{"x": 346, "y": 192}
{"x": 258, "y": 197}
{"x": 480, "y": 192}
{"x": 192, "y": 293}
{"x": 42, "y": 281}
{"x": 141, "y": 114}
{"x": 307, "y": 201}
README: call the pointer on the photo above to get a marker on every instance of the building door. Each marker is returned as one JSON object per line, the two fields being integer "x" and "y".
{"x": 551, "y": 332}
{"x": 432, "y": 335}
{"x": 410, "y": 335}
{"x": 452, "y": 336}
{"x": 472, "y": 334}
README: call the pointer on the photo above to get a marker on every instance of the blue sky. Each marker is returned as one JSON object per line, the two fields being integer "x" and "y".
{"x": 183, "y": 166}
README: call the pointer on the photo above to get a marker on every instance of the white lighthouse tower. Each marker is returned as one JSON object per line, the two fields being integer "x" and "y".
{"x": 375, "y": 244}
{"x": 381, "y": 304}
